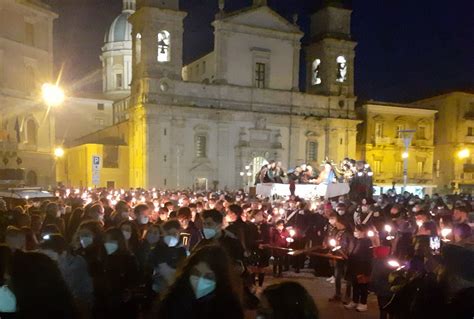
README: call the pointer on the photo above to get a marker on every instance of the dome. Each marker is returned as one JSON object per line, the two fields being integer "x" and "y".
{"x": 120, "y": 30}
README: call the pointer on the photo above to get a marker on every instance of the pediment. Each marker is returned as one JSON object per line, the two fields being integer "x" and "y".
{"x": 264, "y": 18}
{"x": 202, "y": 167}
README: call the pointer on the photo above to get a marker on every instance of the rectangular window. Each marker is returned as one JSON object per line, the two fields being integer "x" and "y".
{"x": 118, "y": 80}
{"x": 420, "y": 167}
{"x": 203, "y": 67}
{"x": 400, "y": 127}
{"x": 311, "y": 151}
{"x": 201, "y": 146}
{"x": 470, "y": 131}
{"x": 111, "y": 155}
{"x": 421, "y": 132}
{"x": 398, "y": 168}
{"x": 379, "y": 129}
{"x": 260, "y": 75}
{"x": 99, "y": 122}
{"x": 197, "y": 70}
{"x": 100, "y": 106}
{"x": 377, "y": 167}
{"x": 29, "y": 34}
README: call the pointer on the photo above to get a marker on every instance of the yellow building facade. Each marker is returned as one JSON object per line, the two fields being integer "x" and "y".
{"x": 381, "y": 144}
{"x": 454, "y": 136}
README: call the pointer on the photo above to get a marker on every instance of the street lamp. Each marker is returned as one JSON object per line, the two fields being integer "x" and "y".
{"x": 407, "y": 136}
{"x": 58, "y": 152}
{"x": 464, "y": 153}
{"x": 52, "y": 94}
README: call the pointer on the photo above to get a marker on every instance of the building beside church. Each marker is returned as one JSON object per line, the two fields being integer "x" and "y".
{"x": 27, "y": 132}
{"x": 199, "y": 125}
{"x": 454, "y": 136}
{"x": 380, "y": 142}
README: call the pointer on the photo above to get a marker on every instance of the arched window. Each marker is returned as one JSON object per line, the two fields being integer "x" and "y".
{"x": 138, "y": 48}
{"x": 316, "y": 76}
{"x": 163, "y": 46}
{"x": 31, "y": 132}
{"x": 341, "y": 69}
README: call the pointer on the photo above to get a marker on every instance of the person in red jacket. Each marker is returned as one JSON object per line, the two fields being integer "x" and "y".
{"x": 278, "y": 239}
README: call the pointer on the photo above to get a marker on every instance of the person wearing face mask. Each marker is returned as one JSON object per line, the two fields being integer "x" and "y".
{"x": 167, "y": 255}
{"x": 73, "y": 269}
{"x": 206, "y": 288}
{"x": 146, "y": 267}
{"x": 7, "y": 298}
{"x": 142, "y": 218}
{"x": 131, "y": 234}
{"x": 215, "y": 235}
{"x": 359, "y": 267}
{"x": 190, "y": 234}
{"x": 120, "y": 279}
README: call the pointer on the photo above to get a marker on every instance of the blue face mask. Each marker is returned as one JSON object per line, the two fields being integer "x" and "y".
{"x": 171, "y": 241}
{"x": 202, "y": 286}
{"x": 86, "y": 241}
{"x": 111, "y": 247}
{"x": 7, "y": 300}
{"x": 209, "y": 233}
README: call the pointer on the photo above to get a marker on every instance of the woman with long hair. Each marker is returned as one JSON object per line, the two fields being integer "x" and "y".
{"x": 132, "y": 236}
{"x": 41, "y": 293}
{"x": 204, "y": 288}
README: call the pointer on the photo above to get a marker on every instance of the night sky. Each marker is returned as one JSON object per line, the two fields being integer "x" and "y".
{"x": 407, "y": 49}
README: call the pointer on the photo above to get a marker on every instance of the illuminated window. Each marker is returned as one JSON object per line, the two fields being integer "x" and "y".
{"x": 138, "y": 48}
{"x": 341, "y": 69}
{"x": 378, "y": 130}
{"x": 163, "y": 46}
{"x": 200, "y": 146}
{"x": 311, "y": 151}
{"x": 260, "y": 75}
{"x": 29, "y": 34}
{"x": 316, "y": 78}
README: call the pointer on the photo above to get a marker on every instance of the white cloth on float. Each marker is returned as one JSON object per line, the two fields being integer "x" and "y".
{"x": 306, "y": 191}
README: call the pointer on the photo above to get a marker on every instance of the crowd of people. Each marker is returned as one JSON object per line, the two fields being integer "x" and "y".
{"x": 98, "y": 253}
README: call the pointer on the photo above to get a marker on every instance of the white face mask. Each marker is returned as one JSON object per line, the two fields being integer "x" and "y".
{"x": 144, "y": 220}
{"x": 332, "y": 222}
{"x": 202, "y": 286}
{"x": 171, "y": 241}
{"x": 127, "y": 234}
{"x": 86, "y": 241}
{"x": 357, "y": 235}
{"x": 209, "y": 233}
{"x": 111, "y": 247}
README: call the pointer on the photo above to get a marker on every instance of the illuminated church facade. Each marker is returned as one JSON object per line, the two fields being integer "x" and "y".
{"x": 203, "y": 124}
{"x": 240, "y": 105}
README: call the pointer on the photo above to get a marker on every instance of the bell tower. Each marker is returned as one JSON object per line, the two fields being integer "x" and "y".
{"x": 157, "y": 31}
{"x": 330, "y": 55}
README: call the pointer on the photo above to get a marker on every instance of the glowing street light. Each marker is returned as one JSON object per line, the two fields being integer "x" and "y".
{"x": 405, "y": 155}
{"x": 58, "y": 152}
{"x": 464, "y": 153}
{"x": 52, "y": 94}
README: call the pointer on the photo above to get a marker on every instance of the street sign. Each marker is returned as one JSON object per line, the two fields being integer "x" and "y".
{"x": 96, "y": 169}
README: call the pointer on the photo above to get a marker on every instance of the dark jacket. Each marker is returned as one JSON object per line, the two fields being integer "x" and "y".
{"x": 190, "y": 236}
{"x": 360, "y": 259}
{"x": 229, "y": 242}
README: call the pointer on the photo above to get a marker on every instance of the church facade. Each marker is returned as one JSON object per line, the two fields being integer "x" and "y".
{"x": 204, "y": 124}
